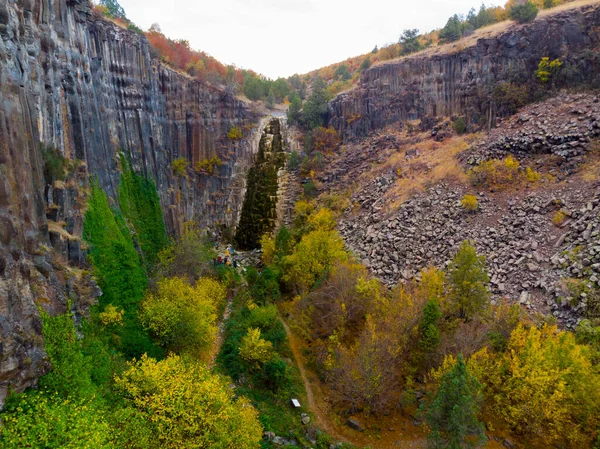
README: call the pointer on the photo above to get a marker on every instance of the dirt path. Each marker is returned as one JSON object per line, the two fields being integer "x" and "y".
{"x": 221, "y": 332}
{"x": 403, "y": 434}
{"x": 317, "y": 409}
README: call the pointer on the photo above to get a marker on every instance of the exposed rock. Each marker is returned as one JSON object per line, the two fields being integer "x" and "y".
{"x": 354, "y": 424}
{"x": 460, "y": 81}
{"x": 81, "y": 84}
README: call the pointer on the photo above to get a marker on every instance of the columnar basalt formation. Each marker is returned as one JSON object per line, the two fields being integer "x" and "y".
{"x": 461, "y": 82}
{"x": 75, "y": 82}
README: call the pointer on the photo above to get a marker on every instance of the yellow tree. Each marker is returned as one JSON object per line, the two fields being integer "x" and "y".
{"x": 313, "y": 256}
{"x": 184, "y": 405}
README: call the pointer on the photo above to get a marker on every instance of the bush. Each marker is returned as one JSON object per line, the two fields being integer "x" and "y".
{"x": 36, "y": 420}
{"x": 365, "y": 64}
{"x": 207, "y": 166}
{"x": 546, "y": 69}
{"x": 469, "y": 203}
{"x": 559, "y": 218}
{"x": 55, "y": 164}
{"x": 501, "y": 174}
{"x": 524, "y": 13}
{"x": 546, "y": 386}
{"x": 235, "y": 133}
{"x": 452, "y": 414}
{"x": 189, "y": 257}
{"x": 140, "y": 205}
{"x": 460, "y": 126}
{"x": 179, "y": 166}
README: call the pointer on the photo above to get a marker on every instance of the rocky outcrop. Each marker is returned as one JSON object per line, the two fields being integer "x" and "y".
{"x": 462, "y": 82}
{"x": 75, "y": 82}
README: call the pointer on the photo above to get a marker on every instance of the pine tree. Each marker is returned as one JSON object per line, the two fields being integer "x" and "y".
{"x": 452, "y": 414}
{"x": 468, "y": 280}
{"x": 428, "y": 328}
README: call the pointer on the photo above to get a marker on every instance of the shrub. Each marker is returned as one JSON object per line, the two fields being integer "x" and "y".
{"x": 36, "y": 420}
{"x": 235, "y": 133}
{"x": 428, "y": 328}
{"x": 501, "y": 174}
{"x": 460, "y": 126}
{"x": 559, "y": 218}
{"x": 55, "y": 164}
{"x": 179, "y": 166}
{"x": 255, "y": 349}
{"x": 469, "y": 203}
{"x": 325, "y": 140}
{"x": 207, "y": 166}
{"x": 185, "y": 405}
{"x": 365, "y": 64}
{"x": 524, "y": 13}
{"x": 189, "y": 257}
{"x": 510, "y": 97}
{"x": 546, "y": 69}
{"x": 312, "y": 257}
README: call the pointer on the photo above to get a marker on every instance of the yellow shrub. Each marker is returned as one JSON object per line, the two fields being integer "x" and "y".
{"x": 532, "y": 175}
{"x": 559, "y": 218}
{"x": 111, "y": 316}
{"x": 254, "y": 348}
{"x": 469, "y": 203}
{"x": 235, "y": 133}
{"x": 179, "y": 166}
{"x": 501, "y": 174}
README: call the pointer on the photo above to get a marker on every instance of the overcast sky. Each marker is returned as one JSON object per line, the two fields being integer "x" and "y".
{"x": 283, "y": 37}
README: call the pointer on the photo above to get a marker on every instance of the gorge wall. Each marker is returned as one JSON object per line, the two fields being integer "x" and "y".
{"x": 75, "y": 82}
{"x": 452, "y": 81}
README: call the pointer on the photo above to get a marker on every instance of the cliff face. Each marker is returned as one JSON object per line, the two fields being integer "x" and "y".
{"x": 82, "y": 85}
{"x": 464, "y": 82}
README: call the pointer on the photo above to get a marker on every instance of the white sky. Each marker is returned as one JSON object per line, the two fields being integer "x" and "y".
{"x": 283, "y": 37}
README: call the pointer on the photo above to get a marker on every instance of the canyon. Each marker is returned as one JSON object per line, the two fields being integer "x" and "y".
{"x": 89, "y": 89}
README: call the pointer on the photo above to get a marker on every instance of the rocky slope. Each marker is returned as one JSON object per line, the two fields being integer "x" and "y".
{"x": 75, "y": 82}
{"x": 531, "y": 260}
{"x": 460, "y": 79}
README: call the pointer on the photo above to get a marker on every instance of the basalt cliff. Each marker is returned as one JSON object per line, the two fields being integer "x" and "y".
{"x": 462, "y": 79}
{"x": 90, "y": 90}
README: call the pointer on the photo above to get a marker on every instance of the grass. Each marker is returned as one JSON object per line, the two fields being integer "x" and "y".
{"x": 436, "y": 162}
{"x": 590, "y": 170}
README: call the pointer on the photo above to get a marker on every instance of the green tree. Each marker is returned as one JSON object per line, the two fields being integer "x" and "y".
{"x": 140, "y": 205}
{"x": 114, "y": 8}
{"x": 270, "y": 100}
{"x": 294, "y": 115}
{"x": 409, "y": 41}
{"x": 452, "y": 414}
{"x": 453, "y": 30}
{"x": 523, "y": 13}
{"x": 316, "y": 107}
{"x": 342, "y": 73}
{"x": 365, "y": 64}
{"x": 428, "y": 328}
{"x": 468, "y": 281}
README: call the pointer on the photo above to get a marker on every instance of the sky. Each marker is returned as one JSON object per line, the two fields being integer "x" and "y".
{"x": 278, "y": 38}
